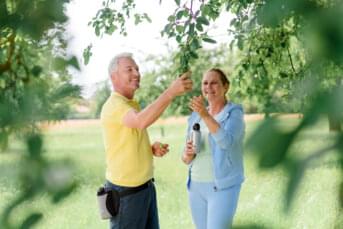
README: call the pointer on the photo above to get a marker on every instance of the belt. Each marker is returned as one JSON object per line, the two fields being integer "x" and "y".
{"x": 133, "y": 190}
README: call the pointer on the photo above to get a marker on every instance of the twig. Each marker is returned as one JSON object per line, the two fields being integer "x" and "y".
{"x": 290, "y": 59}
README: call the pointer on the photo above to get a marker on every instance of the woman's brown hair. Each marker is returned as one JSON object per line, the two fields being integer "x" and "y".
{"x": 222, "y": 75}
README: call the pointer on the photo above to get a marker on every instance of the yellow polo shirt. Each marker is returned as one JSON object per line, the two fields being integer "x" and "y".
{"x": 128, "y": 150}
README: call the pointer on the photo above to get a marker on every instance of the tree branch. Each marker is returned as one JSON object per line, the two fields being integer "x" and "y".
{"x": 290, "y": 59}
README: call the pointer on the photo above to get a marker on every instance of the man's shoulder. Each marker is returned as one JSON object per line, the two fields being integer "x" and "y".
{"x": 114, "y": 107}
{"x": 115, "y": 102}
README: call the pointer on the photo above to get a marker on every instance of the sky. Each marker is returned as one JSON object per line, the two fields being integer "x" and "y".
{"x": 142, "y": 40}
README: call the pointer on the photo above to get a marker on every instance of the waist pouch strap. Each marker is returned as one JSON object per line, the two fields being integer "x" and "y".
{"x": 133, "y": 190}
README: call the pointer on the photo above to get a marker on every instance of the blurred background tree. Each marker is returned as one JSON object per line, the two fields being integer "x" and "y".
{"x": 102, "y": 92}
{"x": 35, "y": 87}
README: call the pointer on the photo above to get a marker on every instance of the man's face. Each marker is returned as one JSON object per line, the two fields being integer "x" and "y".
{"x": 127, "y": 77}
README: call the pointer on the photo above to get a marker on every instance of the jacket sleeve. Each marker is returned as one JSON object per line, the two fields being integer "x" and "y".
{"x": 232, "y": 130}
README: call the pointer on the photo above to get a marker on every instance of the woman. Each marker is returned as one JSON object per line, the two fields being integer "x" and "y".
{"x": 216, "y": 172}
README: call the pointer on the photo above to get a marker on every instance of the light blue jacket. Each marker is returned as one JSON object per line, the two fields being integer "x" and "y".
{"x": 226, "y": 146}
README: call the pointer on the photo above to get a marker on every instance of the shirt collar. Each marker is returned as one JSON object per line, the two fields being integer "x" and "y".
{"x": 114, "y": 93}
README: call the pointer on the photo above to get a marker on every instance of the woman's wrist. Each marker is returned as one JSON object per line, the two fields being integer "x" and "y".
{"x": 188, "y": 157}
{"x": 204, "y": 115}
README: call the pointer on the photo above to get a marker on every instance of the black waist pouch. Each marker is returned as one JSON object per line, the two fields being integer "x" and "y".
{"x": 109, "y": 203}
{"x": 109, "y": 200}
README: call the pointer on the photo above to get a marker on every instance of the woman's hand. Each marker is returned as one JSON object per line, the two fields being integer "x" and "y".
{"x": 197, "y": 104}
{"x": 189, "y": 153}
{"x": 159, "y": 149}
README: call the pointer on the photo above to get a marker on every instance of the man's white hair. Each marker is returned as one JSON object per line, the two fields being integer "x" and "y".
{"x": 114, "y": 62}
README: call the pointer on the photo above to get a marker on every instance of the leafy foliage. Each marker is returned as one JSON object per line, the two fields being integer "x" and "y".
{"x": 110, "y": 18}
{"x": 187, "y": 26}
{"x": 158, "y": 79}
{"x": 35, "y": 87}
{"x": 275, "y": 38}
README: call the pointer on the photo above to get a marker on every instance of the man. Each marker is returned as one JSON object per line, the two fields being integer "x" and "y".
{"x": 129, "y": 154}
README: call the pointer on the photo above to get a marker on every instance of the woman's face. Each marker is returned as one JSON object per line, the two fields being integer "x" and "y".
{"x": 212, "y": 87}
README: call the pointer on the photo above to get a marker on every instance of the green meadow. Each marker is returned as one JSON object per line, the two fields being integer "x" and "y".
{"x": 261, "y": 201}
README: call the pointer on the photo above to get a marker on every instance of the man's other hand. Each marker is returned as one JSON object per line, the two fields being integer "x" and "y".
{"x": 159, "y": 149}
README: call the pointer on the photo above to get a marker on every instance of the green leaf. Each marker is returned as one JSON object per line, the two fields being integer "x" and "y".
{"x": 284, "y": 75}
{"x": 137, "y": 19}
{"x": 36, "y": 70}
{"x": 110, "y": 29}
{"x": 178, "y": 38}
{"x": 195, "y": 44}
{"x": 65, "y": 90}
{"x": 205, "y": 10}
{"x": 233, "y": 21}
{"x": 31, "y": 220}
{"x": 74, "y": 62}
{"x": 240, "y": 43}
{"x": 146, "y": 16}
{"x": 97, "y": 31}
{"x": 60, "y": 63}
{"x": 171, "y": 18}
{"x": 198, "y": 26}
{"x": 87, "y": 53}
{"x": 60, "y": 195}
{"x": 202, "y": 20}
{"x": 177, "y": 2}
{"x": 191, "y": 30}
{"x": 180, "y": 14}
{"x": 194, "y": 55}
{"x": 270, "y": 153}
{"x": 209, "y": 40}
{"x": 180, "y": 28}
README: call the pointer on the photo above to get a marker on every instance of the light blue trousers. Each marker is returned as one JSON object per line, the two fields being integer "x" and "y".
{"x": 211, "y": 208}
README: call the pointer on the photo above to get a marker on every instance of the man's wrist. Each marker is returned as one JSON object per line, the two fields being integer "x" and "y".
{"x": 169, "y": 94}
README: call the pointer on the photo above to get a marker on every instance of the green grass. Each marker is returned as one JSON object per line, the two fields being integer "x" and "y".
{"x": 261, "y": 201}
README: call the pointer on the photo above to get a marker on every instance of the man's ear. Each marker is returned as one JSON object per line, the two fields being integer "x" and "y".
{"x": 113, "y": 76}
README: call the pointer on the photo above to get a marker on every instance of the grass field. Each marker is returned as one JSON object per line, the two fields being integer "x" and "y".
{"x": 261, "y": 200}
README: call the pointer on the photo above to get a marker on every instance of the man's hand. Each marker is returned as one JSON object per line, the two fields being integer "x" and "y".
{"x": 159, "y": 149}
{"x": 181, "y": 85}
